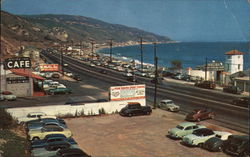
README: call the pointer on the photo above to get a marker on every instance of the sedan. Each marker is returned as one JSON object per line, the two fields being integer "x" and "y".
{"x": 183, "y": 129}
{"x": 200, "y": 114}
{"x": 70, "y": 152}
{"x": 215, "y": 144}
{"x": 198, "y": 137}
{"x": 169, "y": 105}
{"x": 243, "y": 101}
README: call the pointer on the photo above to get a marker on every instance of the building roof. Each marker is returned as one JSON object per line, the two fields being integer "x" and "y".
{"x": 234, "y": 52}
{"x": 26, "y": 73}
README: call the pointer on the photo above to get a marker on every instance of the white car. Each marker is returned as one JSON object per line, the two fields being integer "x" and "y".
{"x": 169, "y": 105}
{"x": 199, "y": 137}
{"x": 33, "y": 116}
{"x": 127, "y": 74}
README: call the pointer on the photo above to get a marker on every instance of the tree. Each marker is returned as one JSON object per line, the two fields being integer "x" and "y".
{"x": 176, "y": 64}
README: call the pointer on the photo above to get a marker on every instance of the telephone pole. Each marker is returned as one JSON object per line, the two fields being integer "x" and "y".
{"x": 92, "y": 48}
{"x": 110, "y": 51}
{"x": 206, "y": 70}
{"x": 141, "y": 54}
{"x": 156, "y": 74}
{"x": 62, "y": 58}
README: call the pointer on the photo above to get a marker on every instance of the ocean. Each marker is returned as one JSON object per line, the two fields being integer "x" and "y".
{"x": 191, "y": 54}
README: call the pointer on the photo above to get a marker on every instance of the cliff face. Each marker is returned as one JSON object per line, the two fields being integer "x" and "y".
{"x": 40, "y": 30}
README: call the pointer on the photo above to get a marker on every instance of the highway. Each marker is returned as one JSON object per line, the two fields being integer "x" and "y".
{"x": 186, "y": 96}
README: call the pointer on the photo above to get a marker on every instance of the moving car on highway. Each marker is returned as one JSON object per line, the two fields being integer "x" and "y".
{"x": 183, "y": 129}
{"x": 169, "y": 105}
{"x": 232, "y": 89}
{"x": 135, "y": 108}
{"x": 200, "y": 114}
{"x": 59, "y": 91}
{"x": 205, "y": 84}
{"x": 243, "y": 101}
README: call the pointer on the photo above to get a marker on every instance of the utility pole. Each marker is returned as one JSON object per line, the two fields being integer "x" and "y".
{"x": 92, "y": 48}
{"x": 156, "y": 74}
{"x": 110, "y": 44}
{"x": 141, "y": 54}
{"x": 134, "y": 72}
{"x": 206, "y": 70}
{"x": 62, "y": 58}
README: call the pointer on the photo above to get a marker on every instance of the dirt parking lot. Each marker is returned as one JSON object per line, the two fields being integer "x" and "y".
{"x": 141, "y": 136}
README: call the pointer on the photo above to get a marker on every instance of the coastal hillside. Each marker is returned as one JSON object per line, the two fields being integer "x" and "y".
{"x": 39, "y": 30}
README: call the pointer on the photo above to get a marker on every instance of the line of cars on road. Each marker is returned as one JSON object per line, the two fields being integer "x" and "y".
{"x": 192, "y": 134}
{"x": 54, "y": 87}
{"x": 49, "y": 136}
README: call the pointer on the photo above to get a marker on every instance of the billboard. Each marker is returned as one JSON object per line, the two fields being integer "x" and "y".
{"x": 17, "y": 63}
{"x": 49, "y": 67}
{"x": 130, "y": 92}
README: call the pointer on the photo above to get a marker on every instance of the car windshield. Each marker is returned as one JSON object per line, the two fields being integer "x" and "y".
{"x": 180, "y": 127}
{"x": 203, "y": 132}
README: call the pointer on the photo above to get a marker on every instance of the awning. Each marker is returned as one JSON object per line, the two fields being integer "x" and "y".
{"x": 27, "y": 73}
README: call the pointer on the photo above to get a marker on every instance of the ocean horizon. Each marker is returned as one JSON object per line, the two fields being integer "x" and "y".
{"x": 191, "y": 54}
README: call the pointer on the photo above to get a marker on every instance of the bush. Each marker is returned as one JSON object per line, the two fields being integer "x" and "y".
{"x": 6, "y": 121}
{"x": 102, "y": 111}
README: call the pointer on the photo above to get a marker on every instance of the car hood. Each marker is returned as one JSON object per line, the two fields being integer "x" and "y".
{"x": 174, "y": 130}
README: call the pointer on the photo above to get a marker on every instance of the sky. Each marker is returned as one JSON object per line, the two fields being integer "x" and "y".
{"x": 181, "y": 20}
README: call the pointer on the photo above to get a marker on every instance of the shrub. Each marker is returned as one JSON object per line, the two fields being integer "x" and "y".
{"x": 101, "y": 111}
{"x": 7, "y": 120}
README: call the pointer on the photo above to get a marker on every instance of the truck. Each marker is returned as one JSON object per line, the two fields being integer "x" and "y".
{"x": 134, "y": 109}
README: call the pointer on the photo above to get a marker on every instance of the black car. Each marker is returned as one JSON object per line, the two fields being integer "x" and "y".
{"x": 237, "y": 145}
{"x": 214, "y": 144}
{"x": 243, "y": 101}
{"x": 71, "y": 152}
{"x": 131, "y": 79}
{"x": 77, "y": 77}
{"x": 232, "y": 89}
{"x": 49, "y": 139}
{"x": 134, "y": 108}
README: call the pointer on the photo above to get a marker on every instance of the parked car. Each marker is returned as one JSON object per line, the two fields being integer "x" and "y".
{"x": 77, "y": 77}
{"x": 237, "y": 145}
{"x": 215, "y": 144}
{"x": 198, "y": 137}
{"x": 51, "y": 149}
{"x": 71, "y": 152}
{"x": 31, "y": 116}
{"x": 206, "y": 84}
{"x": 135, "y": 108}
{"x": 40, "y": 134}
{"x": 49, "y": 139}
{"x": 127, "y": 74}
{"x": 232, "y": 89}
{"x": 169, "y": 105}
{"x": 1, "y": 97}
{"x": 7, "y": 95}
{"x": 183, "y": 129}
{"x": 44, "y": 124}
{"x": 200, "y": 114}
{"x": 55, "y": 75}
{"x": 131, "y": 79}
{"x": 103, "y": 71}
{"x": 59, "y": 91}
{"x": 243, "y": 101}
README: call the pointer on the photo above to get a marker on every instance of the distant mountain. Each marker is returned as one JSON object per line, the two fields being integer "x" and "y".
{"x": 40, "y": 30}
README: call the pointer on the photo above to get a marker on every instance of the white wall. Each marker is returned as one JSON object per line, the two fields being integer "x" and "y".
{"x": 232, "y": 62}
{"x": 88, "y": 108}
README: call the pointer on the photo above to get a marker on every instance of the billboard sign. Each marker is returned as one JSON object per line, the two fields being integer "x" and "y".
{"x": 17, "y": 63}
{"x": 49, "y": 67}
{"x": 118, "y": 93}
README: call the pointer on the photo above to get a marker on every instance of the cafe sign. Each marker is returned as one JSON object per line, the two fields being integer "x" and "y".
{"x": 17, "y": 63}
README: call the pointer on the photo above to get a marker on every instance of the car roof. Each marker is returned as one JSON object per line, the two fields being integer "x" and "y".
{"x": 72, "y": 151}
{"x": 222, "y": 133}
{"x": 185, "y": 124}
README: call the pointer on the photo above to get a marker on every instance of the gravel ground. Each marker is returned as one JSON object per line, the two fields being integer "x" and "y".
{"x": 141, "y": 136}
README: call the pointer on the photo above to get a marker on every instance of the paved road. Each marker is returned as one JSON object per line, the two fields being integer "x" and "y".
{"x": 188, "y": 97}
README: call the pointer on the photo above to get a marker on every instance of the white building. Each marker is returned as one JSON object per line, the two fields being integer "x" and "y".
{"x": 234, "y": 61}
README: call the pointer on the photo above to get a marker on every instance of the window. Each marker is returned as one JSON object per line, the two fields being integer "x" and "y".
{"x": 229, "y": 57}
{"x": 238, "y": 66}
{"x": 189, "y": 128}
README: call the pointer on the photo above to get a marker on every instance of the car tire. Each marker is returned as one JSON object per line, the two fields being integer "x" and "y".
{"x": 200, "y": 145}
{"x": 35, "y": 138}
{"x": 130, "y": 115}
{"x": 147, "y": 113}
